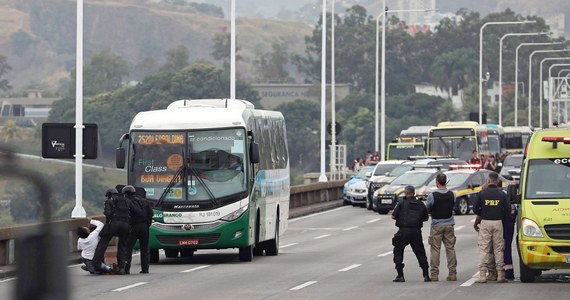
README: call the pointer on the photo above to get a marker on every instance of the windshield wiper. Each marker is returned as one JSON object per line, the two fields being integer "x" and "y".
{"x": 194, "y": 172}
{"x": 460, "y": 142}
{"x": 178, "y": 173}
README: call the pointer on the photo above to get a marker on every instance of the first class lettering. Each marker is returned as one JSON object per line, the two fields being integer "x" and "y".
{"x": 153, "y": 139}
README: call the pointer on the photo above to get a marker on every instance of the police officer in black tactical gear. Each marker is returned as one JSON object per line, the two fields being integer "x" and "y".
{"x": 117, "y": 212}
{"x": 409, "y": 215}
{"x": 141, "y": 219}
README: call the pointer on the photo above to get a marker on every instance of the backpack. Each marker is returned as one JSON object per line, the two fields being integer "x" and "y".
{"x": 121, "y": 208}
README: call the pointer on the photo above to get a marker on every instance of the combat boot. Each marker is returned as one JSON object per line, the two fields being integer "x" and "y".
{"x": 482, "y": 276}
{"x": 510, "y": 274}
{"x": 425, "y": 273}
{"x": 400, "y": 276}
{"x": 492, "y": 275}
{"x": 501, "y": 276}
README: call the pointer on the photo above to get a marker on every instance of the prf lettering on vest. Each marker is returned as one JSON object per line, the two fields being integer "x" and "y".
{"x": 491, "y": 202}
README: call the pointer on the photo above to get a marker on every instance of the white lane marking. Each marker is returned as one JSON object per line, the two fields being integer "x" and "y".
{"x": 385, "y": 254}
{"x": 373, "y": 220}
{"x": 322, "y": 236}
{"x": 460, "y": 227}
{"x": 304, "y": 285}
{"x": 129, "y": 286}
{"x": 288, "y": 245}
{"x": 471, "y": 281}
{"x": 8, "y": 279}
{"x": 350, "y": 228}
{"x": 350, "y": 267}
{"x": 73, "y": 266}
{"x": 195, "y": 269}
{"x": 317, "y": 214}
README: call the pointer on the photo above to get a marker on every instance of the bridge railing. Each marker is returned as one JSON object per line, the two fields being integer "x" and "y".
{"x": 301, "y": 196}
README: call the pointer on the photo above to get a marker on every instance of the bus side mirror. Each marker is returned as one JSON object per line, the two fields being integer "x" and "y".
{"x": 513, "y": 194}
{"x": 120, "y": 154}
{"x": 254, "y": 153}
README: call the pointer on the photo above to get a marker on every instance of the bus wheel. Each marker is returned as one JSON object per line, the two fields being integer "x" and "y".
{"x": 258, "y": 250}
{"x": 246, "y": 253}
{"x": 272, "y": 246}
{"x": 527, "y": 274}
{"x": 154, "y": 257}
{"x": 462, "y": 207}
{"x": 171, "y": 253}
{"x": 187, "y": 252}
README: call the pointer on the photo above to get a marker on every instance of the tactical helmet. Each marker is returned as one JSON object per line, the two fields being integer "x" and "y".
{"x": 128, "y": 189}
{"x": 111, "y": 191}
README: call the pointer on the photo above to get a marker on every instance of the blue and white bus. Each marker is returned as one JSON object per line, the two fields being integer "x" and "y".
{"x": 217, "y": 173}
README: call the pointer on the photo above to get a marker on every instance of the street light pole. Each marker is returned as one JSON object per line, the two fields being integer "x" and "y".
{"x": 530, "y": 80}
{"x": 78, "y": 210}
{"x": 383, "y": 76}
{"x": 501, "y": 67}
{"x": 551, "y": 92}
{"x": 481, "y": 59}
{"x": 233, "y": 51}
{"x": 333, "y": 117}
{"x": 517, "y": 73}
{"x": 323, "y": 176}
{"x": 540, "y": 85}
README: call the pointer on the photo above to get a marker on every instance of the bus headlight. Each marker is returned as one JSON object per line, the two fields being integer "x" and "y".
{"x": 530, "y": 228}
{"x": 234, "y": 215}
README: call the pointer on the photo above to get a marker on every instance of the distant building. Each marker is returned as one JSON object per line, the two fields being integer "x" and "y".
{"x": 432, "y": 90}
{"x": 34, "y": 107}
{"x": 274, "y": 94}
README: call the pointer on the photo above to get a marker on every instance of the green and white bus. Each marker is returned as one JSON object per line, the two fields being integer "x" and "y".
{"x": 217, "y": 173}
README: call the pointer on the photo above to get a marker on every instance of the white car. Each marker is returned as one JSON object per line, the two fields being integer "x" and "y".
{"x": 357, "y": 193}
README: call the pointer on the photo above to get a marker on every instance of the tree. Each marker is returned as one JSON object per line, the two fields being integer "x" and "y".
{"x": 4, "y": 68}
{"x": 272, "y": 66}
{"x": 221, "y": 50}
{"x": 454, "y": 70}
{"x": 177, "y": 59}
{"x": 302, "y": 119}
{"x": 105, "y": 72}
{"x": 9, "y": 130}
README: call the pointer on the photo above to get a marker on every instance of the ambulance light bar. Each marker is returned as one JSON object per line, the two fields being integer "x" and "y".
{"x": 468, "y": 166}
{"x": 555, "y": 140}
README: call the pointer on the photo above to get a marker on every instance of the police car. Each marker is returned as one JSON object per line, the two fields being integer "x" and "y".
{"x": 360, "y": 177}
{"x": 385, "y": 198}
{"x": 465, "y": 182}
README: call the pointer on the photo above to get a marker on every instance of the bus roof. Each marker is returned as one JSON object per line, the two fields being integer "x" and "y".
{"x": 470, "y": 124}
{"x": 416, "y": 129}
{"x": 197, "y": 114}
{"x": 513, "y": 129}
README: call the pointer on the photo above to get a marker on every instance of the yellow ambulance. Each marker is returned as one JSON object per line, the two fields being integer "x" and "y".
{"x": 543, "y": 198}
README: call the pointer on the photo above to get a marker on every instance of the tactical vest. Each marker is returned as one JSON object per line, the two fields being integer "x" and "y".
{"x": 139, "y": 210}
{"x": 442, "y": 207}
{"x": 121, "y": 209}
{"x": 411, "y": 214}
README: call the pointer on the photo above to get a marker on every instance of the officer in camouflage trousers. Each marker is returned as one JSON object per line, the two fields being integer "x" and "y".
{"x": 409, "y": 215}
{"x": 491, "y": 207}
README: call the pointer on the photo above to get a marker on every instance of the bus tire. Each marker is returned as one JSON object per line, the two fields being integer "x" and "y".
{"x": 187, "y": 253}
{"x": 246, "y": 253}
{"x": 462, "y": 206}
{"x": 154, "y": 257}
{"x": 527, "y": 274}
{"x": 170, "y": 253}
{"x": 272, "y": 246}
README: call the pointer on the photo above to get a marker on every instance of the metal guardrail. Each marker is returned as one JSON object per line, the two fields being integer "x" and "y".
{"x": 301, "y": 196}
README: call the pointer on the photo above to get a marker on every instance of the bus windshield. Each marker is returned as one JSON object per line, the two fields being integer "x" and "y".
{"x": 403, "y": 151}
{"x": 553, "y": 186}
{"x": 513, "y": 141}
{"x": 460, "y": 147}
{"x": 210, "y": 164}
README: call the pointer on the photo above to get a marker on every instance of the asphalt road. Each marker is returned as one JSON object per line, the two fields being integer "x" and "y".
{"x": 344, "y": 253}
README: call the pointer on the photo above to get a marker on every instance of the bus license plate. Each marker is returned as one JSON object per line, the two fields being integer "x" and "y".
{"x": 387, "y": 201}
{"x": 188, "y": 242}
